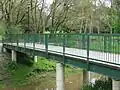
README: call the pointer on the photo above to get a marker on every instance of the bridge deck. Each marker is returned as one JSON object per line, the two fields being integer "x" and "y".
{"x": 96, "y": 56}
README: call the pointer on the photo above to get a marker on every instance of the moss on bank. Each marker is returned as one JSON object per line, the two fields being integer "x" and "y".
{"x": 23, "y": 75}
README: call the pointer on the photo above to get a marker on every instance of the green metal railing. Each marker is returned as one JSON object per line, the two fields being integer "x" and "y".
{"x": 97, "y": 47}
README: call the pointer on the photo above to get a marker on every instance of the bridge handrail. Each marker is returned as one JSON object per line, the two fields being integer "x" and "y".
{"x": 107, "y": 43}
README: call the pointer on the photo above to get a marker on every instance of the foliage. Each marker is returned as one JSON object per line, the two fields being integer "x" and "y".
{"x": 45, "y": 65}
{"x": 14, "y": 29}
{"x": 102, "y": 84}
{"x": 12, "y": 65}
{"x": 87, "y": 87}
{"x": 61, "y": 16}
{"x": 2, "y": 84}
{"x": 2, "y": 28}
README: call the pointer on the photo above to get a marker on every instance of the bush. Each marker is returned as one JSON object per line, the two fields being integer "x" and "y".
{"x": 102, "y": 84}
{"x": 13, "y": 65}
{"x": 45, "y": 65}
{"x": 87, "y": 87}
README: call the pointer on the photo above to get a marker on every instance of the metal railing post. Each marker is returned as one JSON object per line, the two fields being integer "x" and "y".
{"x": 88, "y": 49}
{"x": 64, "y": 44}
{"x": 34, "y": 45}
{"x": 11, "y": 40}
{"x": 105, "y": 44}
{"x": 2, "y": 40}
{"x": 17, "y": 40}
{"x": 24, "y": 43}
{"x": 46, "y": 44}
{"x": 2, "y": 44}
{"x": 83, "y": 41}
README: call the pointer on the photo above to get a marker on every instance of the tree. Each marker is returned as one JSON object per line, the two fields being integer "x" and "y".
{"x": 83, "y": 16}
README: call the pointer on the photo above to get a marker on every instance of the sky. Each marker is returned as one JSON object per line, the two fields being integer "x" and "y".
{"x": 107, "y": 2}
{"x": 48, "y": 2}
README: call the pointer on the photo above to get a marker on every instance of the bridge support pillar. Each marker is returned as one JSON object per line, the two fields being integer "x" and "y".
{"x": 35, "y": 59}
{"x": 59, "y": 76}
{"x": 115, "y": 84}
{"x": 86, "y": 76}
{"x": 4, "y": 50}
{"x": 14, "y": 56}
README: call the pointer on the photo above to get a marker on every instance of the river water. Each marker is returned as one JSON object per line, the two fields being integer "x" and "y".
{"x": 72, "y": 82}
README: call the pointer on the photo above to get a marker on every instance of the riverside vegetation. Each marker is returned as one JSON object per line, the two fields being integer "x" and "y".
{"x": 101, "y": 84}
{"x": 28, "y": 73}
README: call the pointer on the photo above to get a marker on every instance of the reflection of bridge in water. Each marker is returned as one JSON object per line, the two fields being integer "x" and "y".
{"x": 92, "y": 52}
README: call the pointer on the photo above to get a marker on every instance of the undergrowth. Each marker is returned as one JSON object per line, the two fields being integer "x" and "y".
{"x": 21, "y": 75}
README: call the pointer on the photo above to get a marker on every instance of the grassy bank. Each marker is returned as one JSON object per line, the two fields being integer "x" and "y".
{"x": 23, "y": 75}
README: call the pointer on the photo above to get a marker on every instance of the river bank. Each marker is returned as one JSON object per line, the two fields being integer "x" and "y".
{"x": 39, "y": 74}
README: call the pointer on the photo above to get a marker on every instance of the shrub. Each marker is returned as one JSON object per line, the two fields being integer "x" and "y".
{"x": 87, "y": 87}
{"x": 13, "y": 65}
{"x": 101, "y": 84}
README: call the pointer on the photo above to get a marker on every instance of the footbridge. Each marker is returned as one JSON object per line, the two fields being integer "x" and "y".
{"x": 98, "y": 53}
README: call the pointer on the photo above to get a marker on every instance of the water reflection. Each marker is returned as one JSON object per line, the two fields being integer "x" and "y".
{"x": 72, "y": 82}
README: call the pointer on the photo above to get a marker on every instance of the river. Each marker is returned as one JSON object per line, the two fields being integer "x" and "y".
{"x": 72, "y": 82}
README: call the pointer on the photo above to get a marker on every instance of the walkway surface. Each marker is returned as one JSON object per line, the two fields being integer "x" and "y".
{"x": 96, "y": 56}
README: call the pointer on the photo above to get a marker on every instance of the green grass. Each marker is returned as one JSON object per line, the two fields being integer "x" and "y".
{"x": 19, "y": 75}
